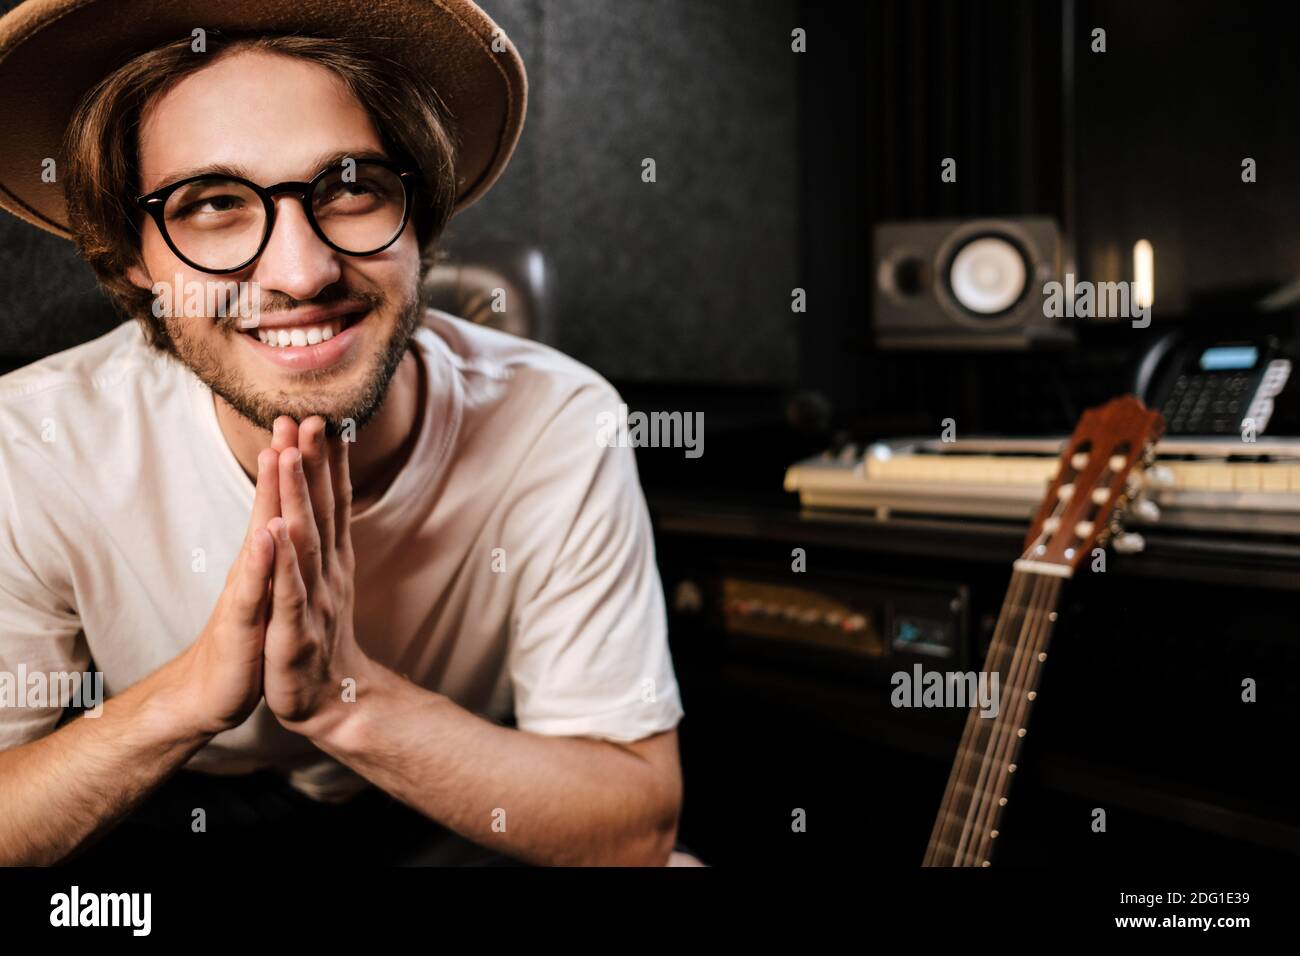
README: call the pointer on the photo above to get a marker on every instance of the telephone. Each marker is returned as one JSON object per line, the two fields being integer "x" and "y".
{"x": 1207, "y": 386}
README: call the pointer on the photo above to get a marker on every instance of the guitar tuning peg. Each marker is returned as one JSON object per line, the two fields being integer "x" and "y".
{"x": 1146, "y": 510}
{"x": 1129, "y": 543}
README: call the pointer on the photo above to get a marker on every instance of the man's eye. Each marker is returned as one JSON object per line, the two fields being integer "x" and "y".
{"x": 349, "y": 191}
{"x": 210, "y": 205}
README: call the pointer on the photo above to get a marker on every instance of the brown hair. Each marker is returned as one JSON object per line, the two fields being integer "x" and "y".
{"x": 101, "y": 149}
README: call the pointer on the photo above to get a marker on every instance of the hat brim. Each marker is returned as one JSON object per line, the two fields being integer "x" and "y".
{"x": 53, "y": 51}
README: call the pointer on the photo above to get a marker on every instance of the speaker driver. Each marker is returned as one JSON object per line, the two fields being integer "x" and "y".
{"x": 988, "y": 276}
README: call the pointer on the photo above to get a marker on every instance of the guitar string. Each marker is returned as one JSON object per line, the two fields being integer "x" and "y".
{"x": 1005, "y": 659}
{"x": 1004, "y": 739}
{"x": 965, "y": 750}
{"x": 973, "y": 778}
{"x": 1023, "y": 679}
{"x": 969, "y": 748}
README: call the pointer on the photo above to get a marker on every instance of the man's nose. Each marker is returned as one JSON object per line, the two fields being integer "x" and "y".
{"x": 295, "y": 261}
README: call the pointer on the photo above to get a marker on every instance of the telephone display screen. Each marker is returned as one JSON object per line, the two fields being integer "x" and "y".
{"x": 1225, "y": 358}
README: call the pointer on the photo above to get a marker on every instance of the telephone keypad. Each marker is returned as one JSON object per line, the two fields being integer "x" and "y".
{"x": 1207, "y": 403}
{"x": 1219, "y": 402}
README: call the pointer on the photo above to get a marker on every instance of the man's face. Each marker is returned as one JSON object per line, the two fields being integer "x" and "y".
{"x": 279, "y": 118}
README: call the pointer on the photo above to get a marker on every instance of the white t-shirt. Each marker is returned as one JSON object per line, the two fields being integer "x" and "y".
{"x": 122, "y": 508}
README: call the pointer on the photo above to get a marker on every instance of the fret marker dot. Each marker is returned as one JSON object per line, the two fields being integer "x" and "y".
{"x": 1042, "y": 657}
{"x": 985, "y": 863}
{"x": 993, "y": 834}
{"x": 1032, "y": 694}
{"x": 1002, "y": 802}
{"x": 1011, "y": 768}
{"x": 1020, "y": 732}
{"x": 1052, "y": 617}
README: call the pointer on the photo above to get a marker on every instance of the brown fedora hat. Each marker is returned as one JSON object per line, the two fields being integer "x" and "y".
{"x": 53, "y": 51}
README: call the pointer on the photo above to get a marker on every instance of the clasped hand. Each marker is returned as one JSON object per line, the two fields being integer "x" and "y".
{"x": 299, "y": 552}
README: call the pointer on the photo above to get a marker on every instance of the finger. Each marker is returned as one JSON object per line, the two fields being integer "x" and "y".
{"x": 266, "y": 499}
{"x": 284, "y": 433}
{"x": 266, "y": 503}
{"x": 248, "y": 596}
{"x": 288, "y": 591}
{"x": 295, "y": 506}
{"x": 311, "y": 442}
{"x": 341, "y": 479}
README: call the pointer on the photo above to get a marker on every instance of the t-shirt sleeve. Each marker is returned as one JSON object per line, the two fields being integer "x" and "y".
{"x": 40, "y": 634}
{"x": 589, "y": 654}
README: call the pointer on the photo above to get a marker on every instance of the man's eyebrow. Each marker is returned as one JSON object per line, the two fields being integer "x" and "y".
{"x": 212, "y": 169}
{"x": 236, "y": 171}
{"x": 337, "y": 157}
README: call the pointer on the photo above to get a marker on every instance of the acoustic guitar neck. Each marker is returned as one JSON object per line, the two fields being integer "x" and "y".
{"x": 1098, "y": 476}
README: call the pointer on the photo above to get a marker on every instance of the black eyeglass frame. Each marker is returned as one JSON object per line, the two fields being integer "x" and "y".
{"x": 155, "y": 204}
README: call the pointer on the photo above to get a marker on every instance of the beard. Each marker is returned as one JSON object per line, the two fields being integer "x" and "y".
{"x": 262, "y": 407}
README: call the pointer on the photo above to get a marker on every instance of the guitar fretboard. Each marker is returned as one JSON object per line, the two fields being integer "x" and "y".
{"x": 985, "y": 764}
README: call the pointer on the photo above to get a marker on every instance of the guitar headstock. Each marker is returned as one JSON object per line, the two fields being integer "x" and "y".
{"x": 1098, "y": 476}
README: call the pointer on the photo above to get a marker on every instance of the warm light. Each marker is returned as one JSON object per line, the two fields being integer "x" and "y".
{"x": 1144, "y": 274}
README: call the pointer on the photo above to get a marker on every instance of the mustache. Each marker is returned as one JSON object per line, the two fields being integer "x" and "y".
{"x": 273, "y": 302}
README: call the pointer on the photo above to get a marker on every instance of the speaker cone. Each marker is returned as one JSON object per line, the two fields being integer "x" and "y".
{"x": 988, "y": 275}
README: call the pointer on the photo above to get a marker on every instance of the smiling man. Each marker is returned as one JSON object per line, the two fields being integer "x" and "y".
{"x": 353, "y": 571}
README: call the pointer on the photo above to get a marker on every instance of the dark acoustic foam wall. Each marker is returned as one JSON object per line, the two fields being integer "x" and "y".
{"x": 980, "y": 83}
{"x": 688, "y": 278}
{"x": 48, "y": 297}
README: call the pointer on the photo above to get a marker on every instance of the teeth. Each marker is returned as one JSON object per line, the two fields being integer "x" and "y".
{"x": 301, "y": 335}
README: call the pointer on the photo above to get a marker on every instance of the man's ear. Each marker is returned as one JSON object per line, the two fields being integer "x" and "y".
{"x": 138, "y": 277}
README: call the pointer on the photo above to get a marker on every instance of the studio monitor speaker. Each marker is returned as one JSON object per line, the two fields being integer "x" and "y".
{"x": 965, "y": 283}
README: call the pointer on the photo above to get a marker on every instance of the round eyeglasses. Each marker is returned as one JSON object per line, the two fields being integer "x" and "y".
{"x": 221, "y": 224}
